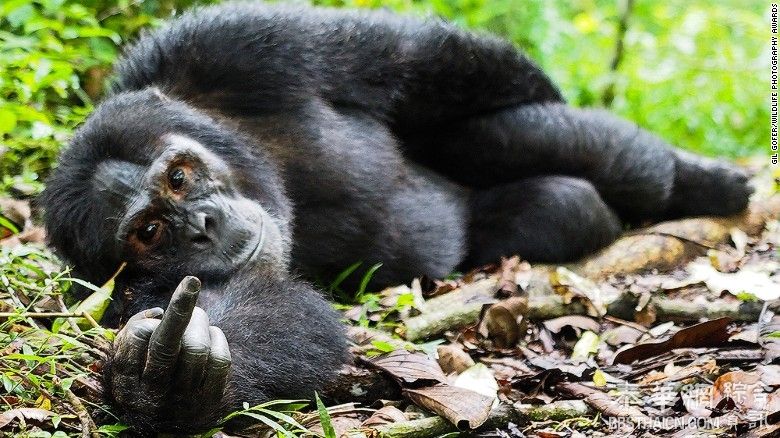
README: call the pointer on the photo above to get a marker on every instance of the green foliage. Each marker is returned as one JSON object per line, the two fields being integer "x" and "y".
{"x": 40, "y": 368}
{"x": 55, "y": 57}
{"x": 325, "y": 420}
{"x": 692, "y": 70}
{"x": 273, "y": 414}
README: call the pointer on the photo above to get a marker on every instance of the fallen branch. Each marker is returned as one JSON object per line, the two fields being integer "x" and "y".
{"x": 422, "y": 428}
{"x": 84, "y": 315}
{"x": 604, "y": 403}
{"x": 668, "y": 245}
{"x": 500, "y": 417}
{"x": 88, "y": 427}
{"x": 461, "y": 308}
{"x": 664, "y": 247}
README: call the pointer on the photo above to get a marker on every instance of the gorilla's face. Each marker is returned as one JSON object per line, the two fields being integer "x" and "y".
{"x": 169, "y": 190}
{"x": 183, "y": 210}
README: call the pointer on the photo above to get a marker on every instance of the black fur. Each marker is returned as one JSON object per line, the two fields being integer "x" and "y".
{"x": 367, "y": 137}
{"x": 285, "y": 340}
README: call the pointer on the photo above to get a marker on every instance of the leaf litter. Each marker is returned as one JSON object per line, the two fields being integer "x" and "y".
{"x": 639, "y": 343}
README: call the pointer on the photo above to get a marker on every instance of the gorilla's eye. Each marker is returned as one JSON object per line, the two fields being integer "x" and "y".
{"x": 176, "y": 178}
{"x": 149, "y": 233}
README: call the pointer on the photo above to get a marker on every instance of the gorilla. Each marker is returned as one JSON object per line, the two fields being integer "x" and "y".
{"x": 244, "y": 145}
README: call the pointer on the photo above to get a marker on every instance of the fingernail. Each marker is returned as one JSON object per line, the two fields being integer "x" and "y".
{"x": 155, "y": 312}
{"x": 191, "y": 284}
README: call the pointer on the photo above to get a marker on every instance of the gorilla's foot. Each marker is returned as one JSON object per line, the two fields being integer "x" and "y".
{"x": 704, "y": 186}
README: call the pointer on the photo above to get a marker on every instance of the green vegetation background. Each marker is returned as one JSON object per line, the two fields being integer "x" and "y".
{"x": 694, "y": 71}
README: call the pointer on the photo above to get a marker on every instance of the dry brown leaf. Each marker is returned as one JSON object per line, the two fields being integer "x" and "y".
{"x": 342, "y": 425}
{"x": 742, "y": 387}
{"x": 452, "y": 359}
{"x": 35, "y": 414}
{"x": 502, "y": 322}
{"x": 576, "y": 321}
{"x": 409, "y": 367}
{"x": 385, "y": 415}
{"x": 464, "y": 408}
{"x": 506, "y": 281}
{"x": 622, "y": 334}
{"x": 32, "y": 234}
{"x": 711, "y": 333}
{"x": 570, "y": 285}
{"x": 550, "y": 433}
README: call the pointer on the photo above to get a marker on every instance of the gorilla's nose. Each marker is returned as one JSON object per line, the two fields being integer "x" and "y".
{"x": 202, "y": 227}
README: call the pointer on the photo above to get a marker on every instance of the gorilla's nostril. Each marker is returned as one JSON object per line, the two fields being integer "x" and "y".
{"x": 201, "y": 239}
{"x": 209, "y": 224}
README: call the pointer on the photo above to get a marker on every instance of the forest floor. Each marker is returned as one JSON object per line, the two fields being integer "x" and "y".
{"x": 671, "y": 331}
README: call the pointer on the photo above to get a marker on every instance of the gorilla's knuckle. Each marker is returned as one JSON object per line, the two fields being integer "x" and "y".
{"x": 196, "y": 347}
{"x": 220, "y": 366}
{"x": 140, "y": 330}
{"x": 159, "y": 352}
{"x": 221, "y": 359}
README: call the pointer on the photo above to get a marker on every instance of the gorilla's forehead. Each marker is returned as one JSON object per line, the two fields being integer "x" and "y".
{"x": 121, "y": 181}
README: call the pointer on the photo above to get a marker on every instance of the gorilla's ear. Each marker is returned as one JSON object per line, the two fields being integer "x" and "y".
{"x": 157, "y": 92}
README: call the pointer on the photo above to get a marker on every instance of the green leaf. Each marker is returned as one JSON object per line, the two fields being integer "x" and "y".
{"x": 95, "y": 304}
{"x": 268, "y": 422}
{"x": 367, "y": 278}
{"x": 5, "y": 223}
{"x": 7, "y": 121}
{"x": 334, "y": 285}
{"x": 384, "y": 347}
{"x": 285, "y": 418}
{"x": 325, "y": 421}
{"x": 585, "y": 346}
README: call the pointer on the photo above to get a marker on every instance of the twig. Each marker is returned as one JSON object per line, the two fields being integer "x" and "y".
{"x": 45, "y": 315}
{"x": 633, "y": 325}
{"x": 617, "y": 57}
{"x": 88, "y": 427}
{"x": 69, "y": 315}
{"x": 90, "y": 319}
{"x": 18, "y": 303}
{"x": 71, "y": 321}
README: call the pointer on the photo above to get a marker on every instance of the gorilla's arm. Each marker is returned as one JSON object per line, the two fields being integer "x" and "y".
{"x": 173, "y": 371}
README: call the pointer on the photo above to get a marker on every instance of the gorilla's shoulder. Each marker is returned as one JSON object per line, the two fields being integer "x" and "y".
{"x": 212, "y": 46}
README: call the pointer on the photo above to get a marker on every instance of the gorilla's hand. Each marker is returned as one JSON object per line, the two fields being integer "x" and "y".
{"x": 171, "y": 368}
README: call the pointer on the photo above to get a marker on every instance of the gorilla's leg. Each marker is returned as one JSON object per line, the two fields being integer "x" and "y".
{"x": 637, "y": 174}
{"x": 545, "y": 219}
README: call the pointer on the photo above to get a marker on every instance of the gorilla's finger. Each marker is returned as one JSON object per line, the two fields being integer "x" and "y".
{"x": 166, "y": 340}
{"x": 154, "y": 312}
{"x": 217, "y": 367}
{"x": 195, "y": 347}
{"x": 131, "y": 346}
